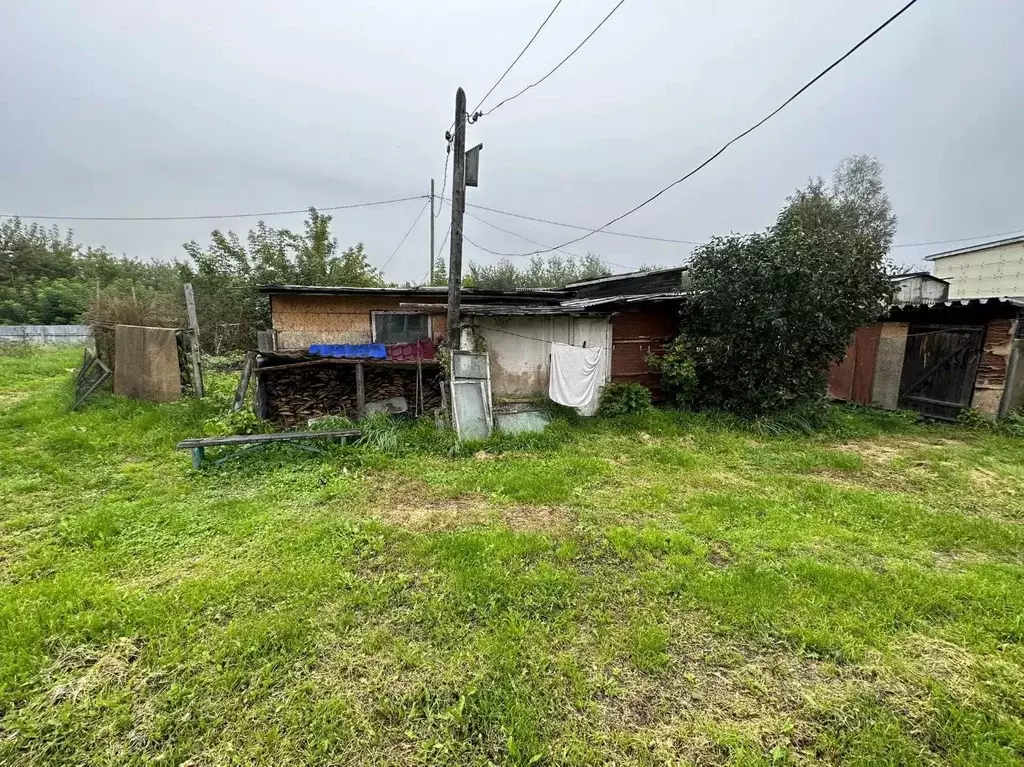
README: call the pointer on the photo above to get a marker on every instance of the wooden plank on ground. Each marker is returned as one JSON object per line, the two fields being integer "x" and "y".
{"x": 256, "y": 439}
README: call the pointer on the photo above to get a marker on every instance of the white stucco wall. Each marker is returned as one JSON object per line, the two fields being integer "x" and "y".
{"x": 520, "y": 348}
{"x": 996, "y": 271}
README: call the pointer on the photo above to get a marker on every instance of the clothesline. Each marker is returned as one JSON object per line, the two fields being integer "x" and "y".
{"x": 533, "y": 338}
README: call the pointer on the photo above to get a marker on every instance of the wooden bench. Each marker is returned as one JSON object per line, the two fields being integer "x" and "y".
{"x": 249, "y": 442}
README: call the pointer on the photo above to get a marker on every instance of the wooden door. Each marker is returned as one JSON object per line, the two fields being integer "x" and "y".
{"x": 939, "y": 369}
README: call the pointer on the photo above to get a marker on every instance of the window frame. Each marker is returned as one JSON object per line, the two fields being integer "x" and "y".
{"x": 373, "y": 324}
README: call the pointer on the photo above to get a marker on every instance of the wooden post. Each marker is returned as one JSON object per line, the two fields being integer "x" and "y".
{"x": 360, "y": 390}
{"x": 458, "y": 206}
{"x": 193, "y": 325}
{"x": 430, "y": 281}
{"x": 243, "y": 383}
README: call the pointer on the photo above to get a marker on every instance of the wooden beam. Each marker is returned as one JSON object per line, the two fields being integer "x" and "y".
{"x": 193, "y": 325}
{"x": 360, "y": 390}
{"x": 243, "y": 383}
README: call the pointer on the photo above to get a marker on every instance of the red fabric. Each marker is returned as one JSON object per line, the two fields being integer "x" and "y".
{"x": 424, "y": 349}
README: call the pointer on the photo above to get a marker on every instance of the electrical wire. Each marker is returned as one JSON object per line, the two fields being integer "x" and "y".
{"x": 444, "y": 178}
{"x": 540, "y": 244}
{"x": 516, "y": 60}
{"x": 556, "y": 68}
{"x": 471, "y": 116}
{"x": 406, "y": 235}
{"x": 576, "y": 226}
{"x": 694, "y": 242}
{"x": 206, "y": 217}
{"x": 959, "y": 239}
{"x": 428, "y": 277}
{"x": 733, "y": 140}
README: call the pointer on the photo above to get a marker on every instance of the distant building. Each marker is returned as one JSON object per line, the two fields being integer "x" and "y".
{"x": 919, "y": 288}
{"x": 990, "y": 270}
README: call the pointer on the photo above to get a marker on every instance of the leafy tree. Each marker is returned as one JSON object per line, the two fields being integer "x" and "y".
{"x": 226, "y": 273}
{"x": 770, "y": 311}
{"x": 46, "y": 278}
{"x": 555, "y": 272}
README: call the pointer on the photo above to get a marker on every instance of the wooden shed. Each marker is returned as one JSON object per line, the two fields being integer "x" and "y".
{"x": 938, "y": 359}
{"x": 632, "y": 316}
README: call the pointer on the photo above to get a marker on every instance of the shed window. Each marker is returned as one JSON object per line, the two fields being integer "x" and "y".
{"x": 397, "y": 328}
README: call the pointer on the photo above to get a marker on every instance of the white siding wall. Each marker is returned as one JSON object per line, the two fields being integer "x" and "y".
{"x": 997, "y": 271}
{"x": 920, "y": 290}
{"x": 519, "y": 349}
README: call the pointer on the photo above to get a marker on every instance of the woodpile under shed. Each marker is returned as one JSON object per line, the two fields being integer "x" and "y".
{"x": 291, "y": 392}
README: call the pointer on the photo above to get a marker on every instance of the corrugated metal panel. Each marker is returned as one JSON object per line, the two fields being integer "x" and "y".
{"x": 635, "y": 336}
{"x": 864, "y": 365}
{"x": 852, "y": 378}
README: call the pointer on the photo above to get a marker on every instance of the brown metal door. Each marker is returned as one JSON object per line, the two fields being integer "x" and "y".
{"x": 637, "y": 335}
{"x": 939, "y": 369}
{"x": 864, "y": 364}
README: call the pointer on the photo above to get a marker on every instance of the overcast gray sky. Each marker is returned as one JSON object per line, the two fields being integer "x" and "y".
{"x": 122, "y": 108}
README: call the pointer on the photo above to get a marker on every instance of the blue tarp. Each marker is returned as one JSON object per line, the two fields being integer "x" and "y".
{"x": 354, "y": 351}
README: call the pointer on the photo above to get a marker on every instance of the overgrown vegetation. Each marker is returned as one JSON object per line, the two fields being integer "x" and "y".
{"x": 658, "y": 588}
{"x": 552, "y": 272}
{"x": 624, "y": 399}
{"x": 47, "y": 278}
{"x": 770, "y": 311}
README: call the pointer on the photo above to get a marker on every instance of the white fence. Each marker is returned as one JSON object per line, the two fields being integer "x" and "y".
{"x": 60, "y": 335}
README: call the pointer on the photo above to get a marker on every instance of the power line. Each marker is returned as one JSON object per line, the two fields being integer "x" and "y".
{"x": 557, "y": 66}
{"x": 406, "y": 235}
{"x": 444, "y": 178}
{"x": 733, "y": 140}
{"x": 583, "y": 228}
{"x": 694, "y": 242}
{"x": 470, "y": 115}
{"x": 534, "y": 242}
{"x": 516, "y": 60}
{"x": 207, "y": 217}
{"x": 959, "y": 239}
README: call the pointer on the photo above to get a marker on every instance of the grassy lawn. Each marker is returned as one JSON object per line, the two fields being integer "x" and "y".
{"x": 661, "y": 590}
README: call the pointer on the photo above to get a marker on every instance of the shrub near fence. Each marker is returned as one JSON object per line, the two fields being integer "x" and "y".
{"x": 58, "y": 335}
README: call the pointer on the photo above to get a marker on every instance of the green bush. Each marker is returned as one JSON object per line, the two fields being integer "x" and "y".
{"x": 236, "y": 422}
{"x": 678, "y": 374}
{"x": 1011, "y": 424}
{"x": 624, "y": 399}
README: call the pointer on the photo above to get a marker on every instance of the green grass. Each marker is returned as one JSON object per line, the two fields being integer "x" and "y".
{"x": 660, "y": 589}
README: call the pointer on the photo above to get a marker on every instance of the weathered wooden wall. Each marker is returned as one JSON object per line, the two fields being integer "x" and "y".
{"x": 892, "y": 348}
{"x": 304, "y": 320}
{"x": 990, "y": 382}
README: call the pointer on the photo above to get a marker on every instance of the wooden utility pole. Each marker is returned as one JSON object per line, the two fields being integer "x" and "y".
{"x": 458, "y": 206}
{"x": 193, "y": 326}
{"x": 431, "y": 280}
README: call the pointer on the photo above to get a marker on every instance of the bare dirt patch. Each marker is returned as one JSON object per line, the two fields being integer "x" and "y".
{"x": 447, "y": 514}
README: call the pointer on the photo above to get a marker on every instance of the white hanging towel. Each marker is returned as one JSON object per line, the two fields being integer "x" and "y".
{"x": 575, "y": 374}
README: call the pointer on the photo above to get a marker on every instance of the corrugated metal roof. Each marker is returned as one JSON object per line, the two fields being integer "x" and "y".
{"x": 911, "y": 275}
{"x": 584, "y": 303}
{"x": 1016, "y": 301}
{"x": 627, "y": 276}
{"x": 502, "y": 310}
{"x": 426, "y": 290}
{"x": 973, "y": 248}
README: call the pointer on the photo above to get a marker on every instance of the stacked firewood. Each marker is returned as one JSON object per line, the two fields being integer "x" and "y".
{"x": 296, "y": 395}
